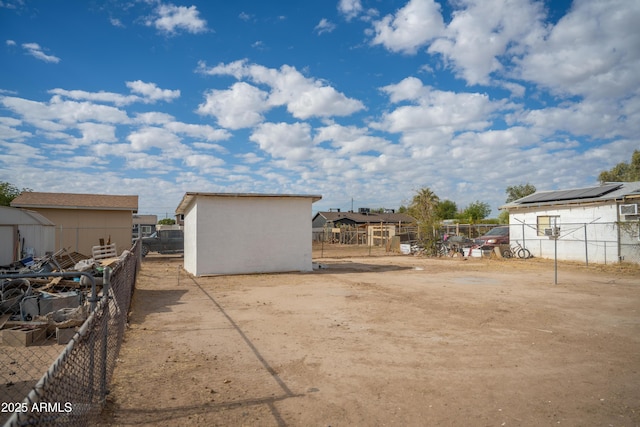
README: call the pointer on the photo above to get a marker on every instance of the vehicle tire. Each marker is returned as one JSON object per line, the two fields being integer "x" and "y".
{"x": 145, "y": 250}
{"x": 506, "y": 253}
{"x": 524, "y": 253}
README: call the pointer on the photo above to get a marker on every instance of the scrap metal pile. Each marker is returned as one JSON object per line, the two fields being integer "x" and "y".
{"x": 49, "y": 297}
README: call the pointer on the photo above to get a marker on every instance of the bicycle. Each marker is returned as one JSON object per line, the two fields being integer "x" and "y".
{"x": 517, "y": 251}
{"x": 442, "y": 249}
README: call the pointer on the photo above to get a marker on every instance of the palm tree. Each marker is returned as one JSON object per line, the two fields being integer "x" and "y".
{"x": 423, "y": 209}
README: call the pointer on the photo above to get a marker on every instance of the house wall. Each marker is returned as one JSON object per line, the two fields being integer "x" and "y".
{"x": 81, "y": 229}
{"x": 238, "y": 235}
{"x": 600, "y": 233}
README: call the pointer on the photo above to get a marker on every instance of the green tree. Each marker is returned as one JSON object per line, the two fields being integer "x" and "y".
{"x": 423, "y": 209}
{"x": 515, "y": 192}
{"x": 623, "y": 172}
{"x": 503, "y": 218}
{"x": 167, "y": 221}
{"x": 446, "y": 209}
{"x": 8, "y": 192}
{"x": 475, "y": 211}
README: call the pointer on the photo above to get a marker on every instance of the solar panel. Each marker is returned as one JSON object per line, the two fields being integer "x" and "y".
{"x": 580, "y": 193}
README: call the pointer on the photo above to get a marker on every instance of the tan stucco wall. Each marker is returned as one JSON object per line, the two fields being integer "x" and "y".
{"x": 81, "y": 229}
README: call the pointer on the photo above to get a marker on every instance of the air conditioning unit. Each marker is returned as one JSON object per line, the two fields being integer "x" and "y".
{"x": 553, "y": 231}
{"x": 631, "y": 209}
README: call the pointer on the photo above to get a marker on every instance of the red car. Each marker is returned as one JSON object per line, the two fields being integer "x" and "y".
{"x": 494, "y": 237}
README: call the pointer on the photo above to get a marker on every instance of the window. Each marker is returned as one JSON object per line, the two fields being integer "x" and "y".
{"x": 546, "y": 223}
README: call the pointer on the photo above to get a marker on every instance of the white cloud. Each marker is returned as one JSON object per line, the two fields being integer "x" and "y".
{"x": 483, "y": 31}
{"x": 9, "y": 131}
{"x": 36, "y": 51}
{"x": 304, "y": 97}
{"x": 154, "y": 118}
{"x": 202, "y": 162}
{"x": 240, "y": 106}
{"x": 450, "y": 111}
{"x": 151, "y": 92}
{"x": 116, "y": 22}
{"x": 285, "y": 141}
{"x": 411, "y": 28}
{"x": 110, "y": 97}
{"x": 409, "y": 89}
{"x": 10, "y": 43}
{"x": 96, "y": 132}
{"x": 148, "y": 93}
{"x": 148, "y": 137}
{"x": 325, "y": 26}
{"x": 206, "y": 132}
{"x": 350, "y": 140}
{"x": 170, "y": 18}
{"x": 592, "y": 52}
{"x": 250, "y": 158}
{"x": 350, "y": 8}
{"x": 58, "y": 114}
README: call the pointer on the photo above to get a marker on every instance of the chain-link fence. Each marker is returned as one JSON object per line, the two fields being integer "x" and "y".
{"x": 55, "y": 369}
{"x": 597, "y": 243}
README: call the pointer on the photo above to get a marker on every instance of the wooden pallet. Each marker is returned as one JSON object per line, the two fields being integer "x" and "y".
{"x": 104, "y": 251}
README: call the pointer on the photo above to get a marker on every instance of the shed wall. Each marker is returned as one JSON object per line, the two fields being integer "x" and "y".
{"x": 190, "y": 230}
{"x": 239, "y": 235}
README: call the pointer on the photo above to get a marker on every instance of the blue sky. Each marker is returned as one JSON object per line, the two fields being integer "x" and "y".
{"x": 367, "y": 100}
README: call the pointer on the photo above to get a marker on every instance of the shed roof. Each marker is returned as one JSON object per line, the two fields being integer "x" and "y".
{"x": 33, "y": 199}
{"x": 189, "y": 197}
{"x": 15, "y": 216}
{"x": 611, "y": 191}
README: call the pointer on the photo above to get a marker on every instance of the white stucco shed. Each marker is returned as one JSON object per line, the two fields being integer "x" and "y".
{"x": 240, "y": 233}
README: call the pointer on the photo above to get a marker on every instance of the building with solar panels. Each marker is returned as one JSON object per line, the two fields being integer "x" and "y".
{"x": 599, "y": 224}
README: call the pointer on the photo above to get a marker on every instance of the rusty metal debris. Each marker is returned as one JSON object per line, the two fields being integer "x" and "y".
{"x": 39, "y": 297}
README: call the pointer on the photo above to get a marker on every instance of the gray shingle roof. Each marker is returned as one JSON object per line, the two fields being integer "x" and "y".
{"x": 361, "y": 218}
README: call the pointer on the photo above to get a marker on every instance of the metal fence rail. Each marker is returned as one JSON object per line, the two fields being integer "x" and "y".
{"x": 73, "y": 389}
{"x": 588, "y": 242}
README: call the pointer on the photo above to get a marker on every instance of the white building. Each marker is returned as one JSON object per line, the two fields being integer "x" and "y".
{"x": 597, "y": 224}
{"x": 238, "y": 233}
{"x": 24, "y": 233}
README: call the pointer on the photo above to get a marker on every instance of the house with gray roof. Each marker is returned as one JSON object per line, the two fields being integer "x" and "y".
{"x": 364, "y": 226}
{"x": 599, "y": 224}
{"x": 360, "y": 218}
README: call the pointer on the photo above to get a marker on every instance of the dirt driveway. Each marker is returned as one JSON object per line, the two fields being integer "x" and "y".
{"x": 395, "y": 340}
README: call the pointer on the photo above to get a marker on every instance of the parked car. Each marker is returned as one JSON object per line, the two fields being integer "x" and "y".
{"x": 164, "y": 242}
{"x": 494, "y": 237}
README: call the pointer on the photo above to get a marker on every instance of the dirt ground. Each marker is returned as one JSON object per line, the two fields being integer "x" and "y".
{"x": 382, "y": 340}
